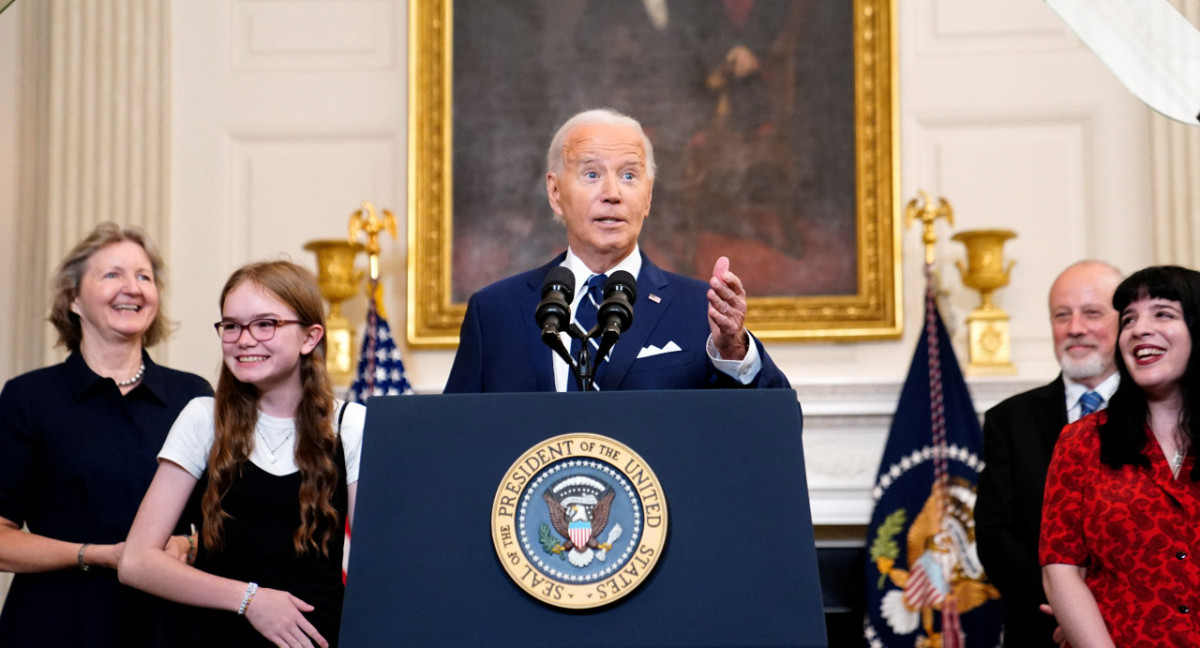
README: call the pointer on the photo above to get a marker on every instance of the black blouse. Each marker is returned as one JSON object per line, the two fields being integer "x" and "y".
{"x": 76, "y": 457}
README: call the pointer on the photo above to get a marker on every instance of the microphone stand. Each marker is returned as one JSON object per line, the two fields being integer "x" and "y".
{"x": 582, "y": 368}
{"x": 550, "y": 338}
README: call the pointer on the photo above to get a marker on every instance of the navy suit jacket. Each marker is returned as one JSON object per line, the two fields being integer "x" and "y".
{"x": 1018, "y": 440}
{"x": 500, "y": 348}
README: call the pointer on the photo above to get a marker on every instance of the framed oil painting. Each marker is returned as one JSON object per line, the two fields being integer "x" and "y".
{"x": 773, "y": 124}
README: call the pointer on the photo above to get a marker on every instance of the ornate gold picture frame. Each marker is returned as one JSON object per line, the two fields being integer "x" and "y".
{"x": 868, "y": 308}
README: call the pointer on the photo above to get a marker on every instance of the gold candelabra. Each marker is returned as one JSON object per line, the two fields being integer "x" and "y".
{"x": 338, "y": 281}
{"x": 989, "y": 346}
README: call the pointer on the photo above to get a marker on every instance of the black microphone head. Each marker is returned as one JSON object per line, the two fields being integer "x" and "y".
{"x": 560, "y": 279}
{"x": 616, "y": 312}
{"x": 621, "y": 282}
{"x": 555, "y": 308}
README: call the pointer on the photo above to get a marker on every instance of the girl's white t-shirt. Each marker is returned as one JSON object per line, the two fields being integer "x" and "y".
{"x": 191, "y": 437}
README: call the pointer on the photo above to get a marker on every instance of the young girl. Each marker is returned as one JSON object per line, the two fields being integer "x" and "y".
{"x": 269, "y": 466}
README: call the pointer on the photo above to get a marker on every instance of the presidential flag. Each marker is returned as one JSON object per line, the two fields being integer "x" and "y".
{"x": 925, "y": 585}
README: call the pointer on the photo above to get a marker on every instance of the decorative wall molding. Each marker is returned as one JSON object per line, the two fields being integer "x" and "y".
{"x": 312, "y": 180}
{"x": 316, "y": 35}
{"x": 989, "y": 168}
{"x": 955, "y": 27}
{"x": 845, "y": 429}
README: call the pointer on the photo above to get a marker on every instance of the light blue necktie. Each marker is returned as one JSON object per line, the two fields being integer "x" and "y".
{"x": 585, "y": 316}
{"x": 1089, "y": 402}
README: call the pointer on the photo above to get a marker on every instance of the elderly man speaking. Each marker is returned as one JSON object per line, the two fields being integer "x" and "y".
{"x": 684, "y": 335}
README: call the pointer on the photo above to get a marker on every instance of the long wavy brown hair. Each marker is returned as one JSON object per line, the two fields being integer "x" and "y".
{"x": 236, "y": 412}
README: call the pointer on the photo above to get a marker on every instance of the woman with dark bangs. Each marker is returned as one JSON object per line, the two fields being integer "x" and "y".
{"x": 1120, "y": 537}
{"x": 271, "y": 464}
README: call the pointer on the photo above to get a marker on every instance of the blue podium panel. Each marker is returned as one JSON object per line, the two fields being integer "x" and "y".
{"x": 739, "y": 567}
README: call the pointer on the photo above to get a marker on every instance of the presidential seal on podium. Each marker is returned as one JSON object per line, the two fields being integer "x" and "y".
{"x": 579, "y": 521}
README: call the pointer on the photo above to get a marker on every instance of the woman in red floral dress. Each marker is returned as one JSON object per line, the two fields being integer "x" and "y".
{"x": 1120, "y": 539}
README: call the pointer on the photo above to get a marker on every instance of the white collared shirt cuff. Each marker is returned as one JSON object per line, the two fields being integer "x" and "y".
{"x": 745, "y": 370}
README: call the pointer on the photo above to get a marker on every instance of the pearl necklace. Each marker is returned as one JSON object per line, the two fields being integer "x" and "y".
{"x": 273, "y": 451}
{"x": 136, "y": 377}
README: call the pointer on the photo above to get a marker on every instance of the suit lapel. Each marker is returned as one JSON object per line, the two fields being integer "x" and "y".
{"x": 1051, "y": 414}
{"x": 646, "y": 315}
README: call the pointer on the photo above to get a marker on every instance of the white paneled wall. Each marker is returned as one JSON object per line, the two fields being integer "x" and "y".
{"x": 288, "y": 115}
{"x": 283, "y": 115}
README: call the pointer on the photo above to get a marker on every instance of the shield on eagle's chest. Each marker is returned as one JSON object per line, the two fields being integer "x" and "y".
{"x": 581, "y": 532}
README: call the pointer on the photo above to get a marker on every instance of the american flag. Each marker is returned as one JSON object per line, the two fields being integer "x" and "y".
{"x": 380, "y": 373}
{"x": 380, "y": 368}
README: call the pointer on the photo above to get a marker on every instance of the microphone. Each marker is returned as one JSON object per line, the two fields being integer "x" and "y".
{"x": 615, "y": 314}
{"x": 554, "y": 311}
{"x": 616, "y": 311}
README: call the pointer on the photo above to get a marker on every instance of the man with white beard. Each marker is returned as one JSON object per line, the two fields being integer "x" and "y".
{"x": 1018, "y": 440}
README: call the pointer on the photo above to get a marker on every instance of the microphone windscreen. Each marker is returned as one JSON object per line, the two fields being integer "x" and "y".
{"x": 621, "y": 281}
{"x": 561, "y": 279}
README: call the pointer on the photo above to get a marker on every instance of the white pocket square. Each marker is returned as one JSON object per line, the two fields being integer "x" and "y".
{"x": 652, "y": 350}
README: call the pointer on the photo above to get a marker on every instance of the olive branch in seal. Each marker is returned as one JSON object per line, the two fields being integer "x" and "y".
{"x": 884, "y": 549}
{"x": 550, "y": 543}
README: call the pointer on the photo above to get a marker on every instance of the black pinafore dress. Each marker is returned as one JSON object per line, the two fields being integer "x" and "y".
{"x": 258, "y": 548}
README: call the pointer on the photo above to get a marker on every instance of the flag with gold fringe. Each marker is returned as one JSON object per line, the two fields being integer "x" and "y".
{"x": 925, "y": 585}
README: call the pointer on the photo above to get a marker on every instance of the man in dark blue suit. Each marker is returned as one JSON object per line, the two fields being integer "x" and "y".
{"x": 685, "y": 334}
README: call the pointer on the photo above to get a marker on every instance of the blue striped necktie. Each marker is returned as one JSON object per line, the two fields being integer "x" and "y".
{"x": 1089, "y": 402}
{"x": 585, "y": 316}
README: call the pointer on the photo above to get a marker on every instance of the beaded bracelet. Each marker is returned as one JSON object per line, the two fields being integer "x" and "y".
{"x": 82, "y": 565}
{"x": 250, "y": 590}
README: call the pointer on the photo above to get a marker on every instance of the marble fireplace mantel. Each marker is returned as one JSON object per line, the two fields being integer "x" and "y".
{"x": 845, "y": 429}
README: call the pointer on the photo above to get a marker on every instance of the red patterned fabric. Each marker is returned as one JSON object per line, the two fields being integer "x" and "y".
{"x": 1136, "y": 531}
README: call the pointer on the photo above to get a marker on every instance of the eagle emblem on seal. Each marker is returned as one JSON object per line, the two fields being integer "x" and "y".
{"x": 579, "y": 507}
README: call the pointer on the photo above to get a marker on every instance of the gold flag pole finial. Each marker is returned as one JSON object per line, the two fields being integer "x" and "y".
{"x": 927, "y": 213}
{"x": 367, "y": 220}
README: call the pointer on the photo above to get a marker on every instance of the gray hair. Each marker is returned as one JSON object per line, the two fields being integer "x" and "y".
{"x": 554, "y": 155}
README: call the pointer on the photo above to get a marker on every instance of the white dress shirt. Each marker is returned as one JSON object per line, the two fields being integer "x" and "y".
{"x": 744, "y": 370}
{"x": 1076, "y": 390}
